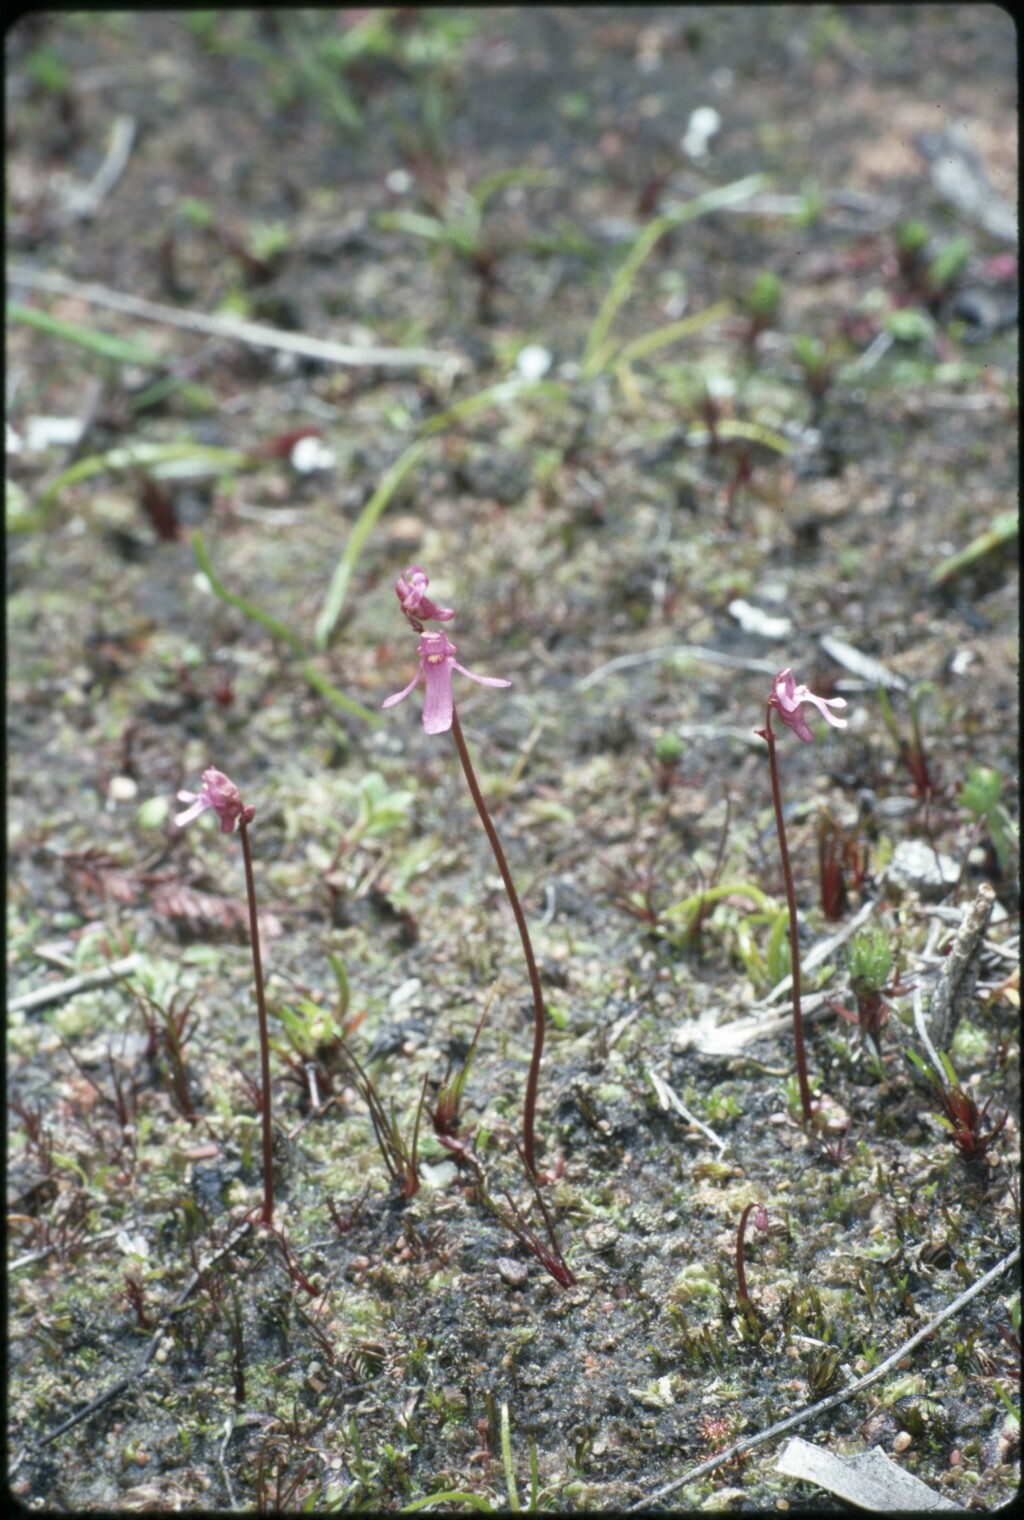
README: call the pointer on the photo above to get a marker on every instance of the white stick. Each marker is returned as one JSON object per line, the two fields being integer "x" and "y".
{"x": 253, "y": 333}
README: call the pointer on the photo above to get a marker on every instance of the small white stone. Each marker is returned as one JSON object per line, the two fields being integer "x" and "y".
{"x": 752, "y": 620}
{"x": 704, "y": 123}
{"x": 534, "y": 361}
{"x": 405, "y": 993}
{"x": 52, "y": 432}
{"x": 311, "y": 454}
{"x": 122, "y": 789}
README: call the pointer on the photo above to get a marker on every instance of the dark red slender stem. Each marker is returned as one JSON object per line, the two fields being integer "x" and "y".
{"x": 261, "y": 1009}
{"x": 530, "y": 1100}
{"x": 794, "y": 943}
{"x": 741, "y": 1276}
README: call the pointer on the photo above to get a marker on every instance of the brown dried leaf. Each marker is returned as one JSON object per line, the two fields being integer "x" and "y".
{"x": 196, "y": 913}
{"x": 94, "y": 873}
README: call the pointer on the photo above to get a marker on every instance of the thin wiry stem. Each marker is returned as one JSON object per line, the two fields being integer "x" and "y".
{"x": 794, "y": 943}
{"x": 261, "y": 1009}
{"x": 741, "y": 1276}
{"x": 530, "y": 1099}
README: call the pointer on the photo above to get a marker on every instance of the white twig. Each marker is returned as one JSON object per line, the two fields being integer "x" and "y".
{"x": 58, "y": 991}
{"x": 44, "y": 1251}
{"x": 691, "y": 651}
{"x": 668, "y": 1098}
{"x": 86, "y": 201}
{"x": 254, "y": 333}
{"x": 823, "y": 951}
{"x": 740, "y": 1448}
{"x": 921, "y": 1030}
{"x": 229, "y": 1430}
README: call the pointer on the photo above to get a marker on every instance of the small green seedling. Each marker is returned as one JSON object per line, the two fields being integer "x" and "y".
{"x": 980, "y": 796}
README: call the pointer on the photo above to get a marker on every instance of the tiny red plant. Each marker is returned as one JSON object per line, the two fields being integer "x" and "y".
{"x": 965, "y": 1120}
{"x": 550, "y": 1256}
{"x": 136, "y": 1299}
{"x": 761, "y": 1224}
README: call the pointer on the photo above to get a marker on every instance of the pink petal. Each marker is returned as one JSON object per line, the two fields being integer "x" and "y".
{"x": 438, "y": 703}
{"x": 481, "y": 680}
{"x": 823, "y": 704}
{"x": 400, "y": 696}
{"x": 199, "y": 806}
{"x": 798, "y": 723}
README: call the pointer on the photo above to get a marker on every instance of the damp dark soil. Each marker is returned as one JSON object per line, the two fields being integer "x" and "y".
{"x": 716, "y": 374}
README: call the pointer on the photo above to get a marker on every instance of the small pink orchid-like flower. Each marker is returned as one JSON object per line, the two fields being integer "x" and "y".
{"x": 437, "y": 661}
{"x": 411, "y": 590}
{"x": 787, "y": 698}
{"x": 220, "y": 794}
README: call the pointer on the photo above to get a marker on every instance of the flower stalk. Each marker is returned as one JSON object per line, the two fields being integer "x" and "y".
{"x": 794, "y": 938}
{"x": 787, "y": 699}
{"x": 436, "y": 668}
{"x": 760, "y": 1223}
{"x": 261, "y": 1014}
{"x": 539, "y": 1012}
{"x": 220, "y": 795}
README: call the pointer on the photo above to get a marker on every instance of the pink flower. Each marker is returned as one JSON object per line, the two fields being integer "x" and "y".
{"x": 411, "y": 590}
{"x": 222, "y": 796}
{"x": 437, "y": 661}
{"x": 787, "y": 697}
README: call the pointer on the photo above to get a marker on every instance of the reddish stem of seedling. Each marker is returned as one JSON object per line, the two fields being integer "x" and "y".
{"x": 261, "y": 1010}
{"x": 794, "y": 944}
{"x": 760, "y": 1223}
{"x": 530, "y": 1100}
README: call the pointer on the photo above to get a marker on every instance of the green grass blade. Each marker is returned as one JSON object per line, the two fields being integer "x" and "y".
{"x": 417, "y": 223}
{"x": 326, "y": 689}
{"x": 277, "y": 629}
{"x": 651, "y": 342}
{"x": 449, "y": 1496}
{"x": 622, "y": 284}
{"x": 492, "y": 395}
{"x": 336, "y": 592}
{"x": 120, "y": 350}
{"x": 502, "y": 179}
{"x": 691, "y": 906}
{"x": 194, "y": 459}
{"x": 754, "y": 432}
{"x": 506, "y": 1461}
{"x": 1003, "y": 530}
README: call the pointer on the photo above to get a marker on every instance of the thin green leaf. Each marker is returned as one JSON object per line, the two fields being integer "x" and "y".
{"x": 622, "y": 284}
{"x": 364, "y": 525}
{"x": 120, "y": 350}
{"x": 492, "y": 395}
{"x": 506, "y": 1459}
{"x": 691, "y": 905}
{"x": 753, "y": 432}
{"x": 277, "y": 629}
{"x": 1003, "y": 530}
{"x": 502, "y": 179}
{"x": 651, "y": 342}
{"x": 449, "y": 1496}
{"x": 325, "y": 688}
{"x": 156, "y": 458}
